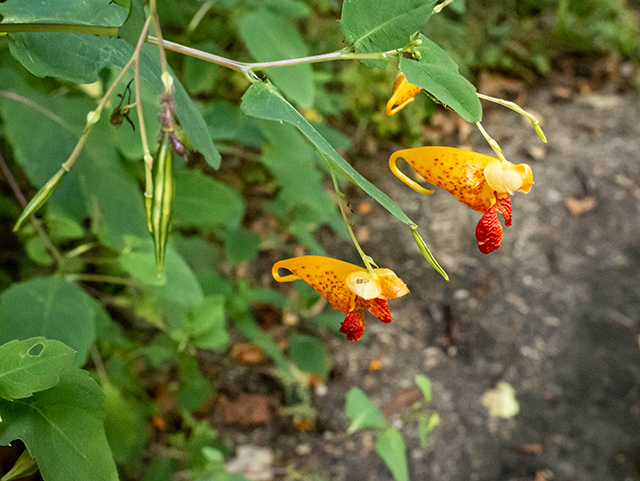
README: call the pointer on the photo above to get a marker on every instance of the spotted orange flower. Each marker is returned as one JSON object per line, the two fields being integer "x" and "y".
{"x": 350, "y": 289}
{"x": 403, "y": 94}
{"x": 479, "y": 181}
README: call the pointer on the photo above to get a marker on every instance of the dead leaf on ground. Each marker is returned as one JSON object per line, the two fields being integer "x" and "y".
{"x": 580, "y": 206}
{"x": 401, "y": 400}
{"x": 537, "y": 152}
{"x": 530, "y": 448}
{"x": 246, "y": 409}
{"x": 245, "y": 353}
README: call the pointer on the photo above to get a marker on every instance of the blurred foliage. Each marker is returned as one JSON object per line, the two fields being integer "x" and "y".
{"x": 148, "y": 342}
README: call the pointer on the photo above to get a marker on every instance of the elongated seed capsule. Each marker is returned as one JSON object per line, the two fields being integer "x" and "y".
{"x": 162, "y": 198}
{"x": 40, "y": 198}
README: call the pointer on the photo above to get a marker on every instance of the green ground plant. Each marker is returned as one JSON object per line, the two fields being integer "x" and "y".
{"x": 153, "y": 163}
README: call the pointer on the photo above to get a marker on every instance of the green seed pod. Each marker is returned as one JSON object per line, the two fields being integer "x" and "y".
{"x": 40, "y": 198}
{"x": 162, "y": 198}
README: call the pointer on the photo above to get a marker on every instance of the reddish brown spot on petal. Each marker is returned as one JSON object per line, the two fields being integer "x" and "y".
{"x": 489, "y": 232}
{"x": 353, "y": 325}
{"x": 378, "y": 307}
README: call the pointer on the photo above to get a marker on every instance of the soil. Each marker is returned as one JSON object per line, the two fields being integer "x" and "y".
{"x": 554, "y": 312}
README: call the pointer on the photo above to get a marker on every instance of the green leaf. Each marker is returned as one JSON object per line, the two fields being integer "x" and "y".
{"x": 425, "y": 426}
{"x": 133, "y": 25}
{"x": 424, "y": 383}
{"x": 32, "y": 365}
{"x": 390, "y": 446}
{"x": 263, "y": 101}
{"x": 194, "y": 388}
{"x": 309, "y": 354}
{"x": 79, "y": 58}
{"x": 49, "y": 307}
{"x": 205, "y": 203}
{"x": 200, "y": 76}
{"x": 26, "y": 465}
{"x": 272, "y": 37}
{"x": 362, "y": 411}
{"x": 178, "y": 284}
{"x": 63, "y": 429}
{"x": 87, "y": 12}
{"x": 206, "y": 324}
{"x": 241, "y": 245}
{"x": 124, "y": 424}
{"x": 381, "y": 25}
{"x": 438, "y": 74}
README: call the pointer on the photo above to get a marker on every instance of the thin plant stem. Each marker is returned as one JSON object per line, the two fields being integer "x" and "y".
{"x": 515, "y": 107}
{"x": 494, "y": 145}
{"x": 43, "y": 110}
{"x": 143, "y": 130}
{"x": 197, "y": 18}
{"x": 365, "y": 258}
{"x": 438, "y": 8}
{"x": 249, "y": 67}
{"x": 37, "y": 225}
{"x": 59, "y": 27}
{"x": 99, "y": 278}
{"x": 94, "y": 116}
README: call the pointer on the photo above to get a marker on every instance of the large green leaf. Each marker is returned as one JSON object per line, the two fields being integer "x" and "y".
{"x": 59, "y": 122}
{"x": 390, "y": 446}
{"x": 63, "y": 429}
{"x": 308, "y": 354}
{"x": 205, "y": 203}
{"x": 206, "y": 324}
{"x": 274, "y": 37}
{"x": 87, "y": 12}
{"x": 438, "y": 74}
{"x": 98, "y": 173}
{"x": 362, "y": 411}
{"x": 262, "y": 100}
{"x": 381, "y": 25}
{"x": 49, "y": 307}
{"x": 32, "y": 365}
{"x": 79, "y": 58}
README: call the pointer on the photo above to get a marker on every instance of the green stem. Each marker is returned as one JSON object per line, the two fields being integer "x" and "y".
{"x": 494, "y": 145}
{"x": 250, "y": 67}
{"x": 59, "y": 27}
{"x": 365, "y": 258}
{"x": 515, "y": 107}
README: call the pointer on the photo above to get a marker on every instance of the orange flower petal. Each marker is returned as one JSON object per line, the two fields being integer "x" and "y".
{"x": 489, "y": 232}
{"x": 504, "y": 207}
{"x": 325, "y": 275}
{"x": 379, "y": 308}
{"x": 403, "y": 94}
{"x": 353, "y": 325}
{"x": 391, "y": 285}
{"x": 460, "y": 172}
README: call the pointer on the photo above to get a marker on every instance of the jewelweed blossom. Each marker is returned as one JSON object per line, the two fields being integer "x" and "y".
{"x": 403, "y": 94}
{"x": 479, "y": 181}
{"x": 349, "y": 288}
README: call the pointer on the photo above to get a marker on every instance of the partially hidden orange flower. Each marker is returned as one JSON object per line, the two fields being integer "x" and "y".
{"x": 479, "y": 181}
{"x": 349, "y": 288}
{"x": 403, "y": 94}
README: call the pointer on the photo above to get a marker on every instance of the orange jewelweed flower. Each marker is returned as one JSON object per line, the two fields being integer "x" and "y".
{"x": 349, "y": 288}
{"x": 479, "y": 181}
{"x": 403, "y": 94}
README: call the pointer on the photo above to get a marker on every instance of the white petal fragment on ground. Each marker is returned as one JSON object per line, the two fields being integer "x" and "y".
{"x": 501, "y": 401}
{"x": 253, "y": 463}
